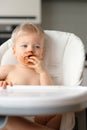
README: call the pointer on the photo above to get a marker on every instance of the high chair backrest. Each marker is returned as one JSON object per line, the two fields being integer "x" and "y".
{"x": 64, "y": 59}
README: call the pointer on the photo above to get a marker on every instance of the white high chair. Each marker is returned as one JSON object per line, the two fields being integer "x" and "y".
{"x": 64, "y": 59}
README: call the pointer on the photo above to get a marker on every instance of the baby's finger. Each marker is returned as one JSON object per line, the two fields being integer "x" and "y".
{"x": 4, "y": 85}
{"x": 32, "y": 61}
{"x": 1, "y": 82}
{"x": 10, "y": 83}
{"x": 34, "y": 58}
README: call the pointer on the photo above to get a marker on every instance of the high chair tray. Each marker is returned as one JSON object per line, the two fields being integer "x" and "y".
{"x": 35, "y": 100}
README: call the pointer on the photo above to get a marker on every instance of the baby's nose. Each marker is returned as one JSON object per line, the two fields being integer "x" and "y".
{"x": 30, "y": 48}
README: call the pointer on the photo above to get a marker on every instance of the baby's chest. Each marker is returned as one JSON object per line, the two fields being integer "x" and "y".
{"x": 23, "y": 78}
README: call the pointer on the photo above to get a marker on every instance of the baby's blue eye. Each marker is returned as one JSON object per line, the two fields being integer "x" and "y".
{"x": 25, "y": 46}
{"x": 37, "y": 46}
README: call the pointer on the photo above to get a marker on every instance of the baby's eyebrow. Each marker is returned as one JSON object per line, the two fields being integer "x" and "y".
{"x": 37, "y": 44}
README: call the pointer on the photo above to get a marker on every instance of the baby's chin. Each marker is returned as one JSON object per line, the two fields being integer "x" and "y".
{"x": 28, "y": 63}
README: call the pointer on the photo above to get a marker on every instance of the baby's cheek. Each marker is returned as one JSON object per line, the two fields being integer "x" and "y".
{"x": 24, "y": 60}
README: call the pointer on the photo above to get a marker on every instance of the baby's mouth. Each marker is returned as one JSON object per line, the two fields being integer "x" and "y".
{"x": 29, "y": 56}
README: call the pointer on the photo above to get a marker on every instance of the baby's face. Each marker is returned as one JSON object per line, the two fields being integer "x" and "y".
{"x": 28, "y": 45}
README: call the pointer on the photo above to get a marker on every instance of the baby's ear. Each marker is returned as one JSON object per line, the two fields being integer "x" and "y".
{"x": 13, "y": 50}
{"x": 42, "y": 53}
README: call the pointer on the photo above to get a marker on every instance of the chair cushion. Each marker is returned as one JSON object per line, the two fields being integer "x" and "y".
{"x": 6, "y": 55}
{"x": 55, "y": 46}
{"x": 64, "y": 57}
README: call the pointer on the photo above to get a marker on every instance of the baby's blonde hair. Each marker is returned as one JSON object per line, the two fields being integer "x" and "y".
{"x": 27, "y": 28}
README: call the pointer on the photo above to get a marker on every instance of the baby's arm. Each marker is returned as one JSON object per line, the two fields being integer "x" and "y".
{"x": 4, "y": 70}
{"x": 45, "y": 79}
{"x": 38, "y": 65}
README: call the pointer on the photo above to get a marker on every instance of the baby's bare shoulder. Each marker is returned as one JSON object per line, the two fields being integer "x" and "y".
{"x": 7, "y": 67}
{"x": 5, "y": 70}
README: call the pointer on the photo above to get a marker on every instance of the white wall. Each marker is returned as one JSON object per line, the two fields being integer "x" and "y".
{"x": 18, "y": 11}
{"x": 68, "y": 16}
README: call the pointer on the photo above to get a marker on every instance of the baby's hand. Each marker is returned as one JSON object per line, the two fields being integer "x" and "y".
{"x": 4, "y": 84}
{"x": 36, "y": 64}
